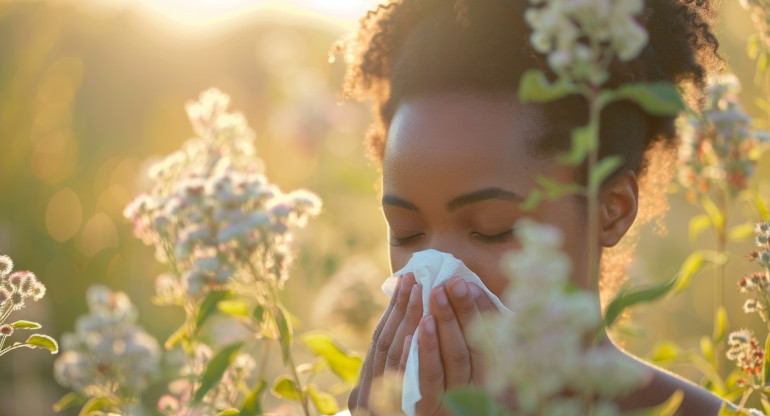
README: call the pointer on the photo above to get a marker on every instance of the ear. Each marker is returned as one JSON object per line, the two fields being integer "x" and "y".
{"x": 618, "y": 205}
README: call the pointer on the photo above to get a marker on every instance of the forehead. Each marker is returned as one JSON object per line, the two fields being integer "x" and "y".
{"x": 471, "y": 140}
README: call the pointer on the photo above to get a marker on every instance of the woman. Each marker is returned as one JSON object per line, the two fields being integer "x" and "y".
{"x": 459, "y": 153}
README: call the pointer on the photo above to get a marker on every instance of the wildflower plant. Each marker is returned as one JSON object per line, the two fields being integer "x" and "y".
{"x": 745, "y": 351}
{"x": 580, "y": 40}
{"x": 226, "y": 233}
{"x": 548, "y": 344}
{"x": 17, "y": 288}
{"x": 108, "y": 360}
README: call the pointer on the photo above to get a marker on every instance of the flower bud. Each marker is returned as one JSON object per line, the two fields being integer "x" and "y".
{"x": 6, "y": 265}
{"x": 6, "y": 330}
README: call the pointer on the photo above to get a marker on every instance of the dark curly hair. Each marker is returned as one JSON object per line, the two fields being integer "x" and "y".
{"x": 415, "y": 47}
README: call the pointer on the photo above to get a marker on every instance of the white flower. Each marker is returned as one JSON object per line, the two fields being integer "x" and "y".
{"x": 580, "y": 35}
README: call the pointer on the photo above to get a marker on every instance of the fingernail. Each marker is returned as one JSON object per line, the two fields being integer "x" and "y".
{"x": 429, "y": 325}
{"x": 475, "y": 291}
{"x": 441, "y": 298}
{"x": 415, "y": 294}
{"x": 460, "y": 288}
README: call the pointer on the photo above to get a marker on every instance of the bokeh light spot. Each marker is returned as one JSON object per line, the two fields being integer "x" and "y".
{"x": 97, "y": 234}
{"x": 63, "y": 215}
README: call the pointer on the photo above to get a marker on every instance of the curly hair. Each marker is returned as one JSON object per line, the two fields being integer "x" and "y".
{"x": 415, "y": 47}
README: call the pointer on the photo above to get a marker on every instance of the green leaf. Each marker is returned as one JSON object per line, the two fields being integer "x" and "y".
{"x": 707, "y": 348}
{"x": 764, "y": 214}
{"x": 323, "y": 401}
{"x": 285, "y": 331}
{"x": 215, "y": 368}
{"x": 720, "y": 325}
{"x": 67, "y": 401}
{"x": 657, "y": 98}
{"x": 741, "y": 232}
{"x": 471, "y": 402}
{"x": 176, "y": 337}
{"x": 667, "y": 408}
{"x": 234, "y": 307}
{"x": 535, "y": 87}
{"x": 96, "y": 404}
{"x": 694, "y": 262}
{"x": 698, "y": 224}
{"x": 766, "y": 367}
{"x": 229, "y": 412}
{"x": 584, "y": 140}
{"x": 665, "y": 351}
{"x": 259, "y": 313}
{"x": 42, "y": 341}
{"x": 554, "y": 189}
{"x": 252, "y": 404}
{"x": 285, "y": 388}
{"x": 626, "y": 299}
{"x": 209, "y": 306}
{"x": 532, "y": 200}
{"x": 26, "y": 325}
{"x": 713, "y": 212}
{"x": 765, "y": 404}
{"x": 345, "y": 365}
{"x": 604, "y": 169}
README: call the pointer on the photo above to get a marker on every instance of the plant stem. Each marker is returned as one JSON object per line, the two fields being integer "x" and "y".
{"x": 720, "y": 242}
{"x": 593, "y": 196}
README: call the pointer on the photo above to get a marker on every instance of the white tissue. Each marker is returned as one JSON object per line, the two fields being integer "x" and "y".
{"x": 430, "y": 268}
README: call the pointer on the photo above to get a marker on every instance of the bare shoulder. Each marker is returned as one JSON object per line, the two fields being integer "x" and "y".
{"x": 661, "y": 384}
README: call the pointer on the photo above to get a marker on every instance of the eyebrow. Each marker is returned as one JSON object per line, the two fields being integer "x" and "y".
{"x": 399, "y": 202}
{"x": 460, "y": 201}
{"x": 482, "y": 195}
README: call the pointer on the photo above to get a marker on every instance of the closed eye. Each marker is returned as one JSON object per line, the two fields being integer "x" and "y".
{"x": 403, "y": 241}
{"x": 502, "y": 237}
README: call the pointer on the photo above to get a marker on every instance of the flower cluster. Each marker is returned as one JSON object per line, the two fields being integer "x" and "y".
{"x": 223, "y": 396}
{"x": 16, "y": 287}
{"x": 107, "y": 351}
{"x": 757, "y": 283}
{"x": 212, "y": 213}
{"x": 582, "y": 37}
{"x": 719, "y": 149}
{"x": 746, "y": 352}
{"x": 544, "y": 344}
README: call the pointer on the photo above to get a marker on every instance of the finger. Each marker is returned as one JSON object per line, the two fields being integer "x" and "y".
{"x": 483, "y": 303}
{"x": 431, "y": 374}
{"x": 404, "y": 356}
{"x": 467, "y": 312}
{"x": 454, "y": 352}
{"x": 387, "y": 336}
{"x": 360, "y": 394}
{"x": 407, "y": 327}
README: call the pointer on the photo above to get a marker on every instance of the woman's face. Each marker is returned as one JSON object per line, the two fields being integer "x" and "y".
{"x": 456, "y": 170}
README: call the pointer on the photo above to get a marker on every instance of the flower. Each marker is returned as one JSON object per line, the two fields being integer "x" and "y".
{"x": 212, "y": 213}
{"x": 581, "y": 37}
{"x": 543, "y": 343}
{"x": 107, "y": 349}
{"x": 745, "y": 351}
{"x": 719, "y": 148}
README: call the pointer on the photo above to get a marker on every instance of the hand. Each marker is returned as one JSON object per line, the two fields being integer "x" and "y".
{"x": 442, "y": 340}
{"x": 400, "y": 320}
{"x": 449, "y": 357}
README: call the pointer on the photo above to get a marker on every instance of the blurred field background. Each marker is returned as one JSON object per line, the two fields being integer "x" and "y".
{"x": 92, "y": 92}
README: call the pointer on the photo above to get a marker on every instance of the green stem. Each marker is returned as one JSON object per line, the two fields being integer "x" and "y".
{"x": 294, "y": 375}
{"x": 720, "y": 242}
{"x": 593, "y": 196}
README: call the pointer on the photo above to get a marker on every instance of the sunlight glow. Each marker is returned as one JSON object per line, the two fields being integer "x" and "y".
{"x": 201, "y": 13}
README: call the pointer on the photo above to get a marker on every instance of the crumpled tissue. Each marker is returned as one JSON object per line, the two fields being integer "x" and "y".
{"x": 431, "y": 268}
